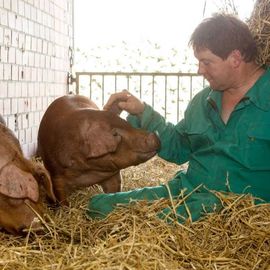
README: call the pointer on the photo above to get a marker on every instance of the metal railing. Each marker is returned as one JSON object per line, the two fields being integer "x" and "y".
{"x": 168, "y": 93}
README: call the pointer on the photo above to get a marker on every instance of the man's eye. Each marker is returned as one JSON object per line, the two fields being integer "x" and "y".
{"x": 206, "y": 63}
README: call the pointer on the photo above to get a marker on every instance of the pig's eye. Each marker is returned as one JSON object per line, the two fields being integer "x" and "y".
{"x": 115, "y": 133}
{"x": 15, "y": 202}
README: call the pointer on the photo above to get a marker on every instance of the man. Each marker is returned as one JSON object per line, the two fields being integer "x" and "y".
{"x": 225, "y": 133}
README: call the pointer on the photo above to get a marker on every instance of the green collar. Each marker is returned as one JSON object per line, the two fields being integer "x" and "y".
{"x": 259, "y": 94}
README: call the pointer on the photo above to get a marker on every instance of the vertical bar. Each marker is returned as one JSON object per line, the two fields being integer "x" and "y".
{"x": 77, "y": 83}
{"x": 166, "y": 93}
{"x": 178, "y": 96}
{"x": 102, "y": 89}
{"x": 128, "y": 82}
{"x": 90, "y": 87}
{"x": 140, "y": 86}
{"x": 191, "y": 88}
{"x": 153, "y": 90}
{"x": 115, "y": 83}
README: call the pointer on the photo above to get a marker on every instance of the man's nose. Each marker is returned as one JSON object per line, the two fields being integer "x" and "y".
{"x": 201, "y": 69}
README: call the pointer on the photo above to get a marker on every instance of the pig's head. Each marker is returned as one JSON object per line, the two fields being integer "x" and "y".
{"x": 20, "y": 182}
{"x": 20, "y": 197}
{"x": 18, "y": 214}
{"x": 112, "y": 143}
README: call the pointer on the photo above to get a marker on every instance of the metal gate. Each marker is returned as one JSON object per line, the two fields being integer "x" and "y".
{"x": 168, "y": 93}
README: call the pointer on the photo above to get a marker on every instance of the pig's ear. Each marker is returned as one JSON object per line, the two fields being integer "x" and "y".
{"x": 18, "y": 184}
{"x": 100, "y": 141}
{"x": 114, "y": 108}
{"x": 44, "y": 179}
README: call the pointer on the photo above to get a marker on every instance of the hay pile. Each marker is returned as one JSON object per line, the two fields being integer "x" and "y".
{"x": 133, "y": 238}
{"x": 259, "y": 25}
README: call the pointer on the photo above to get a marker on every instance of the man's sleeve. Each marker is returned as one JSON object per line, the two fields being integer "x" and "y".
{"x": 174, "y": 144}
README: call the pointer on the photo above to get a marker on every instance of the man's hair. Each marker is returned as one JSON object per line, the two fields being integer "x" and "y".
{"x": 222, "y": 34}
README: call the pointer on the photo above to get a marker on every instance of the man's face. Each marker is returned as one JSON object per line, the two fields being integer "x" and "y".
{"x": 214, "y": 69}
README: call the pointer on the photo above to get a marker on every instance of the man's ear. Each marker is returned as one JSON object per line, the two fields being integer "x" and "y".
{"x": 235, "y": 58}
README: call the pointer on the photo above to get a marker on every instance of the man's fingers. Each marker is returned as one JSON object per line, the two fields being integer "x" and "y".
{"x": 117, "y": 97}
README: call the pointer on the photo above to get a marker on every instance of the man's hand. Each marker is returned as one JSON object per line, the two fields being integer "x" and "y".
{"x": 125, "y": 101}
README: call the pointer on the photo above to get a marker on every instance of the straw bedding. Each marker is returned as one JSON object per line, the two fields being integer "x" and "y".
{"x": 132, "y": 237}
{"x": 259, "y": 23}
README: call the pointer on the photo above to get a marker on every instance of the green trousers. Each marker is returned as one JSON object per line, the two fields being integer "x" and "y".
{"x": 198, "y": 202}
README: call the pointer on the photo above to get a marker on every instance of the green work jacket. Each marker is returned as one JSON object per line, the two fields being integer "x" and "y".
{"x": 224, "y": 157}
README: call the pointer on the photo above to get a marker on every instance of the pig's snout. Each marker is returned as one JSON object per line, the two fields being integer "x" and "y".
{"x": 36, "y": 226}
{"x": 147, "y": 147}
{"x": 22, "y": 228}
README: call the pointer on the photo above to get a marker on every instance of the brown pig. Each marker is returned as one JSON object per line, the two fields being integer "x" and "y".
{"x": 20, "y": 181}
{"x": 81, "y": 145}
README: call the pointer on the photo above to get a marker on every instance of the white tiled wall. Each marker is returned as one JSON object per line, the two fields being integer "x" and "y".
{"x": 35, "y": 36}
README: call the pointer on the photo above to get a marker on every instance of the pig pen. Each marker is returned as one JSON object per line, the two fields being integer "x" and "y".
{"x": 132, "y": 237}
{"x": 238, "y": 237}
